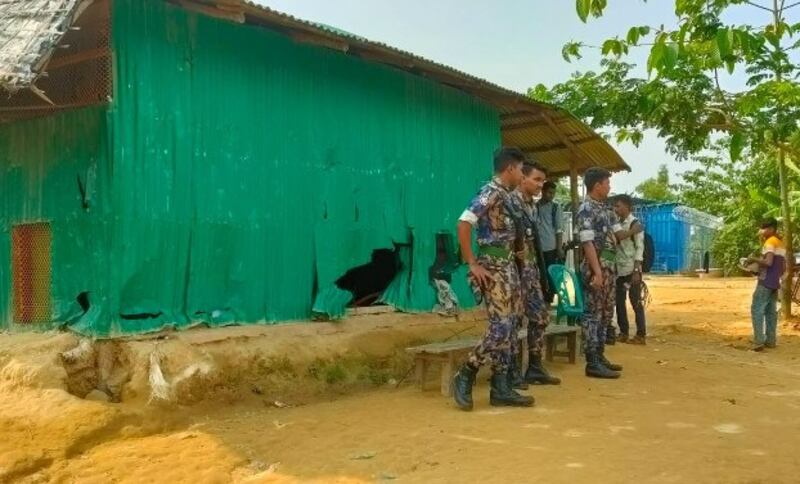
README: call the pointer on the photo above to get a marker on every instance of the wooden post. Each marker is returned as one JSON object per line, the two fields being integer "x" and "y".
{"x": 448, "y": 371}
{"x": 573, "y": 188}
{"x": 573, "y": 192}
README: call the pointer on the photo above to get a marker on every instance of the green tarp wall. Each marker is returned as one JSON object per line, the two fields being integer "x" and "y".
{"x": 42, "y": 164}
{"x": 249, "y": 172}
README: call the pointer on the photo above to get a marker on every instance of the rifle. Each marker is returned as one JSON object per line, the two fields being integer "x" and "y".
{"x": 520, "y": 216}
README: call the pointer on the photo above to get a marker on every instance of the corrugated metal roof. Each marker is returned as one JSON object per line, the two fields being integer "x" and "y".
{"x": 548, "y": 133}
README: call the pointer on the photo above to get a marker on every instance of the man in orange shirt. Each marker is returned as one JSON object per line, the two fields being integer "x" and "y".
{"x": 771, "y": 265}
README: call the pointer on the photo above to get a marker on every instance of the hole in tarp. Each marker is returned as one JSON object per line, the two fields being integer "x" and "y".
{"x": 83, "y": 301}
{"x": 367, "y": 282}
{"x": 446, "y": 261}
{"x": 141, "y": 315}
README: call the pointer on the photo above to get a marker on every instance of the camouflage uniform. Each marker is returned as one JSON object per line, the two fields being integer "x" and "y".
{"x": 534, "y": 305}
{"x": 608, "y": 313}
{"x": 597, "y": 224}
{"x": 495, "y": 227}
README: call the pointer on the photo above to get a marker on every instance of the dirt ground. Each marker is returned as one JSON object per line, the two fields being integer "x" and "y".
{"x": 693, "y": 406}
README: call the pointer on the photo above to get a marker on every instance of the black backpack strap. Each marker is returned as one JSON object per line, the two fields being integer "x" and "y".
{"x": 633, "y": 237}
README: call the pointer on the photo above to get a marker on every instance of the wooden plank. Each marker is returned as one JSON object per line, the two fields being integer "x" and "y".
{"x": 321, "y": 41}
{"x": 553, "y": 334}
{"x": 69, "y": 60}
{"x": 543, "y": 148}
{"x": 559, "y": 329}
{"x": 439, "y": 348}
{"x": 526, "y": 125}
{"x": 366, "y": 310}
{"x": 572, "y": 345}
{"x": 236, "y": 16}
{"x": 454, "y": 345}
{"x": 45, "y": 107}
{"x": 578, "y": 154}
{"x": 448, "y": 372}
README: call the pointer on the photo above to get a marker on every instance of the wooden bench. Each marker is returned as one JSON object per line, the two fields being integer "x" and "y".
{"x": 556, "y": 332}
{"x": 449, "y": 354}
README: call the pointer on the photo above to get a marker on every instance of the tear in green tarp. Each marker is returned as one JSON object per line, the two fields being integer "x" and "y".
{"x": 236, "y": 172}
{"x": 332, "y": 303}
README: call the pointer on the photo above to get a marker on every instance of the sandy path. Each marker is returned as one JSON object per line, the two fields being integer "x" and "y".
{"x": 693, "y": 406}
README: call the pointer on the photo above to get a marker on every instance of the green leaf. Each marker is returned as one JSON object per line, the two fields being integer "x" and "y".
{"x": 656, "y": 59}
{"x": 670, "y": 55}
{"x": 540, "y": 92}
{"x": 764, "y": 196}
{"x": 743, "y": 41}
{"x": 633, "y": 36}
{"x": 783, "y": 28}
{"x": 772, "y": 37}
{"x": 730, "y": 65}
{"x": 724, "y": 42}
{"x": 608, "y": 47}
{"x": 584, "y": 7}
{"x": 571, "y": 50}
{"x": 598, "y": 6}
{"x": 736, "y": 146}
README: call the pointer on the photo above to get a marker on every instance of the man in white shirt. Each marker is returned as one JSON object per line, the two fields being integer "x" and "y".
{"x": 630, "y": 256}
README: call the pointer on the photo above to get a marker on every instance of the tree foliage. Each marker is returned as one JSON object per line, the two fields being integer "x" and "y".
{"x": 658, "y": 188}
{"x": 682, "y": 96}
{"x": 742, "y": 192}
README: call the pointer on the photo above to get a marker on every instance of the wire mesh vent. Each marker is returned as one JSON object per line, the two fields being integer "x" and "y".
{"x": 30, "y": 269}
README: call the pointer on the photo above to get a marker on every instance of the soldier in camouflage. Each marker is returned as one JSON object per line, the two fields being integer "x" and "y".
{"x": 531, "y": 264}
{"x": 494, "y": 276}
{"x": 599, "y": 232}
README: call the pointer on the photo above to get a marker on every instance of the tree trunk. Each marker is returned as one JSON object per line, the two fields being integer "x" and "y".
{"x": 786, "y": 294}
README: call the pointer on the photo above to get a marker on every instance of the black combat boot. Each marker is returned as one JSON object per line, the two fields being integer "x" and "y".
{"x": 611, "y": 335}
{"x": 595, "y": 369}
{"x": 515, "y": 377}
{"x": 611, "y": 366}
{"x": 502, "y": 395}
{"x": 536, "y": 374}
{"x": 462, "y": 386}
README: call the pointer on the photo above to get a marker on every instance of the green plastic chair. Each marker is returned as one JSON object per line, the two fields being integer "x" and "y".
{"x": 570, "y": 295}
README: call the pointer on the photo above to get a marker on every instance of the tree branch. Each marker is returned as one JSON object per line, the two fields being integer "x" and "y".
{"x": 754, "y": 4}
